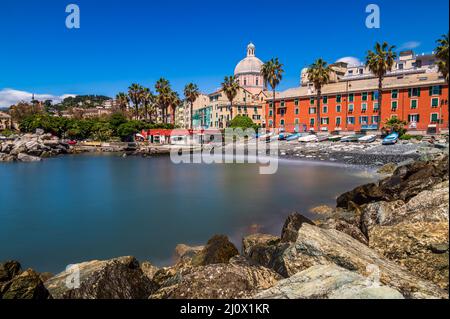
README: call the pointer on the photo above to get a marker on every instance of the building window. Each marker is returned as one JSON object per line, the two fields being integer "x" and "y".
{"x": 435, "y": 90}
{"x": 270, "y": 113}
{"x": 338, "y": 108}
{"x": 325, "y": 109}
{"x": 296, "y": 122}
{"x": 311, "y": 121}
{"x": 414, "y": 92}
{"x": 325, "y": 100}
{"x": 282, "y": 112}
{"x": 376, "y": 106}
{"x": 400, "y": 66}
{"x": 364, "y": 96}
{"x": 282, "y": 122}
{"x": 363, "y": 119}
{"x": 257, "y": 81}
{"x": 413, "y": 118}
{"x": 296, "y": 102}
{"x": 297, "y": 111}
{"x": 434, "y": 117}
{"x": 375, "y": 119}
{"x": 338, "y": 121}
{"x": 270, "y": 122}
{"x": 338, "y": 98}
{"x": 364, "y": 107}
{"x": 282, "y": 104}
{"x": 312, "y": 110}
{"x": 350, "y": 120}
{"x": 325, "y": 121}
{"x": 394, "y": 94}
{"x": 435, "y": 102}
{"x": 375, "y": 95}
{"x": 311, "y": 101}
{"x": 245, "y": 81}
{"x": 255, "y": 109}
{"x": 413, "y": 104}
{"x": 351, "y": 97}
{"x": 271, "y": 104}
{"x": 394, "y": 105}
{"x": 350, "y": 107}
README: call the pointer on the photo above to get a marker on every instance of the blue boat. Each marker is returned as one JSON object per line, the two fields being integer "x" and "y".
{"x": 390, "y": 139}
{"x": 293, "y": 137}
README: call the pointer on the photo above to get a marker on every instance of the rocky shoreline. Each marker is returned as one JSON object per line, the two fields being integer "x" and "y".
{"x": 387, "y": 239}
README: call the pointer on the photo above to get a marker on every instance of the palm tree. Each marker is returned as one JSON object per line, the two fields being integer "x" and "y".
{"x": 147, "y": 99}
{"x": 442, "y": 55}
{"x": 380, "y": 61}
{"x": 230, "y": 87}
{"x": 162, "y": 86}
{"x": 272, "y": 72}
{"x": 135, "y": 94}
{"x": 122, "y": 101}
{"x": 319, "y": 74}
{"x": 191, "y": 93}
{"x": 175, "y": 102}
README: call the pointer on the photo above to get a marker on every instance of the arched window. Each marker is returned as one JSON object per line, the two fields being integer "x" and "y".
{"x": 245, "y": 81}
{"x": 257, "y": 81}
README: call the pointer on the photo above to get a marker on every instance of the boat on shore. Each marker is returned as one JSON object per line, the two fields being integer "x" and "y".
{"x": 293, "y": 137}
{"x": 323, "y": 138}
{"x": 308, "y": 139}
{"x": 367, "y": 139}
{"x": 351, "y": 138}
{"x": 335, "y": 138}
{"x": 391, "y": 139}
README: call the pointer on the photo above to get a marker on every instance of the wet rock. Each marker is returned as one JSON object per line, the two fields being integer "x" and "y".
{"x": 27, "y": 285}
{"x": 119, "y": 278}
{"x": 439, "y": 248}
{"x": 317, "y": 246}
{"x": 218, "y": 281}
{"x": 218, "y": 250}
{"x": 408, "y": 244}
{"x": 291, "y": 226}
{"x": 148, "y": 269}
{"x": 28, "y": 158}
{"x": 9, "y": 269}
{"x": 249, "y": 242}
{"x": 329, "y": 282}
{"x": 387, "y": 169}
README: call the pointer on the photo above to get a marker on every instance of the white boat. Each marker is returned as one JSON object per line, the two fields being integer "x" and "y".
{"x": 308, "y": 139}
{"x": 367, "y": 139}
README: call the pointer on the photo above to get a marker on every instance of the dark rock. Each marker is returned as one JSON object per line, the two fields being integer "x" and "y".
{"x": 27, "y": 285}
{"x": 291, "y": 226}
{"x": 218, "y": 250}
{"x": 120, "y": 278}
{"x": 439, "y": 248}
{"x": 9, "y": 270}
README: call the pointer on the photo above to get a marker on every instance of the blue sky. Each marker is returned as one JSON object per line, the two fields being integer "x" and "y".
{"x": 121, "y": 42}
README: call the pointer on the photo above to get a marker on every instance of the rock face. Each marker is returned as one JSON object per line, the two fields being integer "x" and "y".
{"x": 218, "y": 281}
{"x": 31, "y": 147}
{"x": 9, "y": 270}
{"x": 406, "y": 182}
{"x": 120, "y": 278}
{"x": 328, "y": 282}
{"x": 291, "y": 226}
{"x": 316, "y": 246}
{"x": 218, "y": 250}
{"x": 26, "y": 285}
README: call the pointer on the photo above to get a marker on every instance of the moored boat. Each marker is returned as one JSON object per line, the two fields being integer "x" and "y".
{"x": 390, "y": 139}
{"x": 308, "y": 139}
{"x": 293, "y": 137}
{"x": 367, "y": 138}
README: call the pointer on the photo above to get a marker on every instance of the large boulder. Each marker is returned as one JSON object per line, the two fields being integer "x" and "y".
{"x": 413, "y": 245}
{"x": 218, "y": 250}
{"x": 218, "y": 281}
{"x": 291, "y": 226}
{"x": 328, "y": 282}
{"x": 317, "y": 246}
{"x": 249, "y": 242}
{"x": 119, "y": 278}
{"x": 28, "y": 158}
{"x": 9, "y": 269}
{"x": 27, "y": 285}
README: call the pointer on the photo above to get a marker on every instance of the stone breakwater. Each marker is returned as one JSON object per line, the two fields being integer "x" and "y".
{"x": 387, "y": 239}
{"x": 32, "y": 148}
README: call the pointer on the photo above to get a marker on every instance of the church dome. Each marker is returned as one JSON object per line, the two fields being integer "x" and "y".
{"x": 251, "y": 64}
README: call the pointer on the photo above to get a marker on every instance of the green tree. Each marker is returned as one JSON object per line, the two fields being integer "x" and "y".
{"x": 243, "y": 122}
{"x": 380, "y": 61}
{"x": 135, "y": 92}
{"x": 164, "y": 91}
{"x": 230, "y": 88}
{"x": 147, "y": 100}
{"x": 123, "y": 101}
{"x": 272, "y": 72}
{"x": 319, "y": 74}
{"x": 395, "y": 125}
{"x": 191, "y": 93}
{"x": 442, "y": 55}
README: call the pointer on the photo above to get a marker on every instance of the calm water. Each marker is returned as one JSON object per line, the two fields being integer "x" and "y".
{"x": 77, "y": 208}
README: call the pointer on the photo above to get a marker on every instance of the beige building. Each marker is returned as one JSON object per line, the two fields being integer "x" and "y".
{"x": 5, "y": 121}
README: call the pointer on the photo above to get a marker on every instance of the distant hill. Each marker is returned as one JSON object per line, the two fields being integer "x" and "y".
{"x": 83, "y": 101}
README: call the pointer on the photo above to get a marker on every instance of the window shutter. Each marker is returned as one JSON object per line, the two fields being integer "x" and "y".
{"x": 418, "y": 91}
{"x": 410, "y": 92}
{"x": 440, "y": 90}
{"x": 373, "y": 95}
{"x": 431, "y": 91}
{"x": 418, "y": 117}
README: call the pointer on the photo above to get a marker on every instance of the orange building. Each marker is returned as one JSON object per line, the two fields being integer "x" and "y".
{"x": 419, "y": 99}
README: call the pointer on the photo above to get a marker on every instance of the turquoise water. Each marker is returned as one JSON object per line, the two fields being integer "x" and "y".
{"x": 76, "y": 208}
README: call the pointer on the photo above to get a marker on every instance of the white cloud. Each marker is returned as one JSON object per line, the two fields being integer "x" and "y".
{"x": 350, "y": 60}
{"x": 10, "y": 97}
{"x": 409, "y": 45}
